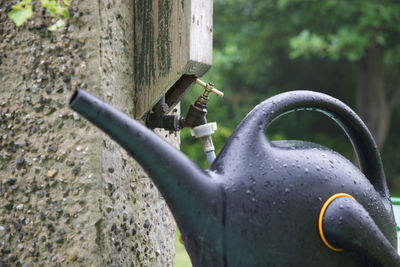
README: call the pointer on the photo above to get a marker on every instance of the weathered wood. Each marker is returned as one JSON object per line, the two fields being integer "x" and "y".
{"x": 173, "y": 45}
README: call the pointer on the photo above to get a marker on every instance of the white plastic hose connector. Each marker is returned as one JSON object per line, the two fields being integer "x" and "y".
{"x": 204, "y": 130}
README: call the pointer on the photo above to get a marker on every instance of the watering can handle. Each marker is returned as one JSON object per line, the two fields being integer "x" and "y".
{"x": 363, "y": 142}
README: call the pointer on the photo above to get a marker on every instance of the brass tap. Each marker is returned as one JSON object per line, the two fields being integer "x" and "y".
{"x": 209, "y": 87}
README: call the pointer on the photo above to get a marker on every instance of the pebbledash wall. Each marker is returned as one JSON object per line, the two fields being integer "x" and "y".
{"x": 69, "y": 196}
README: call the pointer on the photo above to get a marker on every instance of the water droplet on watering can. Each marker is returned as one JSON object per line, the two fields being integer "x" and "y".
{"x": 140, "y": 135}
{"x": 249, "y": 192}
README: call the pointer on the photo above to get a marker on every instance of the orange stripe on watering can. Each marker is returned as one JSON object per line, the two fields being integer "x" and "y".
{"x": 321, "y": 217}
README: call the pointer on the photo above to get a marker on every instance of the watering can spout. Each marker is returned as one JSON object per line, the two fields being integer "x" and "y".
{"x": 189, "y": 191}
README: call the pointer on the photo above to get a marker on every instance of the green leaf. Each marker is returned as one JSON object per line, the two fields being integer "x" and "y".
{"x": 66, "y": 2}
{"x": 45, "y": 3}
{"x": 19, "y": 15}
{"x": 52, "y": 28}
{"x": 59, "y": 24}
{"x": 49, "y": 3}
{"x": 63, "y": 12}
{"x": 54, "y": 9}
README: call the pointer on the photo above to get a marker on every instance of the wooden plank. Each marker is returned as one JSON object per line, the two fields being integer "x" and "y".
{"x": 173, "y": 45}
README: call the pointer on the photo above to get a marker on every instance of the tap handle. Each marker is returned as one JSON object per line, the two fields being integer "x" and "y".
{"x": 209, "y": 87}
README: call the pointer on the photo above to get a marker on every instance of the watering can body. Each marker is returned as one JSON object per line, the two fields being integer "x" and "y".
{"x": 282, "y": 199}
{"x": 261, "y": 202}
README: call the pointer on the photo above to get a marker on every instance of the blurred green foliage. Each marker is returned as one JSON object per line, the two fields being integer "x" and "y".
{"x": 262, "y": 48}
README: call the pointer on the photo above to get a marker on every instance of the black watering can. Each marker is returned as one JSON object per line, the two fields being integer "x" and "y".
{"x": 263, "y": 203}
